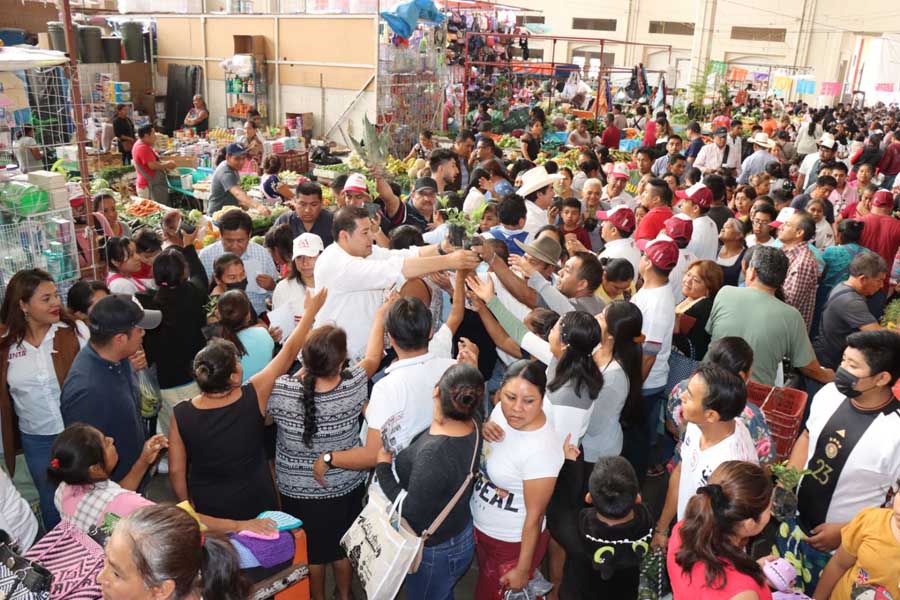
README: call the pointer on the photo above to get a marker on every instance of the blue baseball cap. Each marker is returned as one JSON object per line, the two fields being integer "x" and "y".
{"x": 235, "y": 149}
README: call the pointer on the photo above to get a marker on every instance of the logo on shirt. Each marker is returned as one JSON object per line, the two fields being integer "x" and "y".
{"x": 20, "y": 353}
{"x": 494, "y": 496}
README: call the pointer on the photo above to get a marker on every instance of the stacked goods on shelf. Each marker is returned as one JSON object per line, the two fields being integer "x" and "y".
{"x": 54, "y": 184}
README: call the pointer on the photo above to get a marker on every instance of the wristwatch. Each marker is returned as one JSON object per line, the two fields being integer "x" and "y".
{"x": 327, "y": 458}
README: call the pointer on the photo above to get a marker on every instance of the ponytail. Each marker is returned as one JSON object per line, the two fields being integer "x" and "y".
{"x": 220, "y": 577}
{"x": 310, "y": 427}
{"x": 737, "y": 491}
{"x": 323, "y": 355}
{"x": 580, "y": 332}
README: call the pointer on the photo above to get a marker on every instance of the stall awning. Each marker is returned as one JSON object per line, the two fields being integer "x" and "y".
{"x": 483, "y": 5}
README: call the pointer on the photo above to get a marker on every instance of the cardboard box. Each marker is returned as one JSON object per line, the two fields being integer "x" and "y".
{"x": 182, "y": 161}
{"x": 250, "y": 44}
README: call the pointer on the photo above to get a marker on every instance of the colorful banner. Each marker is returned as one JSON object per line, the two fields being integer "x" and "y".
{"x": 884, "y": 87}
{"x": 718, "y": 67}
{"x": 830, "y": 88}
{"x": 806, "y": 86}
{"x": 760, "y": 76}
{"x": 737, "y": 74}
{"x": 781, "y": 83}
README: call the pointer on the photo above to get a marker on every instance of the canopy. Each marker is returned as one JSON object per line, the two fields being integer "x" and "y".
{"x": 20, "y": 58}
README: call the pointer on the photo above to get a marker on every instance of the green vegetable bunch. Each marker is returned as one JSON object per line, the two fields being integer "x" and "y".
{"x": 248, "y": 182}
{"x": 788, "y": 476}
{"x": 374, "y": 148}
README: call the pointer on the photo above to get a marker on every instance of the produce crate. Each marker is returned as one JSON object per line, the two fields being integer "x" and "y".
{"x": 629, "y": 145}
{"x": 783, "y": 409}
{"x": 295, "y": 161}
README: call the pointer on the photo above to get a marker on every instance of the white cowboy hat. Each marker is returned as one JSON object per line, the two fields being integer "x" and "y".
{"x": 536, "y": 179}
{"x": 762, "y": 139}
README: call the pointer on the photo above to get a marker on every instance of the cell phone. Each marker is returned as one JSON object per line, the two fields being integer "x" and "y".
{"x": 373, "y": 209}
{"x": 186, "y": 227}
{"x": 558, "y": 203}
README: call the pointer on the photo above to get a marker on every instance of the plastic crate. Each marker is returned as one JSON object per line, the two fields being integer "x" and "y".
{"x": 629, "y": 145}
{"x": 783, "y": 409}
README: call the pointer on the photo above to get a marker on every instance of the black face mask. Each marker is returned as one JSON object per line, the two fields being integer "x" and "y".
{"x": 845, "y": 382}
{"x": 237, "y": 285}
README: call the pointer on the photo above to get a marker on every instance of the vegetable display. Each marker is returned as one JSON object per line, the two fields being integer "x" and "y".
{"x": 373, "y": 149}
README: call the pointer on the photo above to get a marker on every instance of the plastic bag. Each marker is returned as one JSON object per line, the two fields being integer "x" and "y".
{"x": 148, "y": 389}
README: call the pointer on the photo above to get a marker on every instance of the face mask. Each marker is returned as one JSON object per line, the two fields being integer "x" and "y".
{"x": 845, "y": 382}
{"x": 237, "y": 285}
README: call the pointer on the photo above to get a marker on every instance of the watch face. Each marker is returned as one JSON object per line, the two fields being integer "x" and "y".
{"x": 327, "y": 458}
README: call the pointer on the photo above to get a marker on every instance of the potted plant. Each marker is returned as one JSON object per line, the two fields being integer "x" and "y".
{"x": 784, "y": 503}
{"x": 463, "y": 230}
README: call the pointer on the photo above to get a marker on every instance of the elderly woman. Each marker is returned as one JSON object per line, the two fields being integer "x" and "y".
{"x": 198, "y": 116}
{"x": 700, "y": 285}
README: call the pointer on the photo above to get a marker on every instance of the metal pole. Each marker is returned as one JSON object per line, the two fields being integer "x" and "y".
{"x": 65, "y": 15}
{"x": 552, "y": 74}
{"x": 465, "y": 100}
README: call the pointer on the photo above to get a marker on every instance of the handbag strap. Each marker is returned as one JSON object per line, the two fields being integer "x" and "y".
{"x": 459, "y": 493}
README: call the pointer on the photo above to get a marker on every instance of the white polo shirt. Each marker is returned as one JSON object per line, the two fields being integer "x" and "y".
{"x": 33, "y": 385}
{"x": 623, "y": 248}
{"x": 356, "y": 289}
{"x": 16, "y": 517}
{"x": 401, "y": 405}
{"x": 704, "y": 242}
{"x": 623, "y": 199}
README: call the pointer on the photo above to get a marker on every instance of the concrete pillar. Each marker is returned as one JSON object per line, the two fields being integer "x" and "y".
{"x": 632, "y": 54}
{"x": 701, "y": 46}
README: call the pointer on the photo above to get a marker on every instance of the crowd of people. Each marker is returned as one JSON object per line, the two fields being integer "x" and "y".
{"x": 584, "y": 341}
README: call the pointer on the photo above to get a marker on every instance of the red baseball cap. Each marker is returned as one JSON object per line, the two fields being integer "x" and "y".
{"x": 621, "y": 216}
{"x": 679, "y": 227}
{"x": 698, "y": 193}
{"x": 662, "y": 253}
{"x": 883, "y": 199}
{"x": 620, "y": 171}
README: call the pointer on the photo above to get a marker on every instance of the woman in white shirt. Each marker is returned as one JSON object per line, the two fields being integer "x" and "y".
{"x": 124, "y": 266}
{"x": 517, "y": 478}
{"x": 38, "y": 344}
{"x": 291, "y": 291}
{"x": 28, "y": 153}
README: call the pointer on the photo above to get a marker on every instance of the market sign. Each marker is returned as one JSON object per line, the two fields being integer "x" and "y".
{"x": 634, "y": 178}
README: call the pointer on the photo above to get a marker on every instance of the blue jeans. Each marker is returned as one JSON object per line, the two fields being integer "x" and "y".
{"x": 640, "y": 439}
{"x": 441, "y": 567}
{"x": 37, "y": 457}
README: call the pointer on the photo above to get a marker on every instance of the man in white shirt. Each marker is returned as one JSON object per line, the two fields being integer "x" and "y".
{"x": 735, "y": 142}
{"x": 356, "y": 274}
{"x": 537, "y": 189}
{"x": 695, "y": 203}
{"x": 617, "y": 226}
{"x": 614, "y": 193}
{"x": 714, "y": 156}
{"x": 658, "y": 309}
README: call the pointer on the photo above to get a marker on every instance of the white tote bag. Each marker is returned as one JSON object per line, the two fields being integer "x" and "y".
{"x": 381, "y": 546}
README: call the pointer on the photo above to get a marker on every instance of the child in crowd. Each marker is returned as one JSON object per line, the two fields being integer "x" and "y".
{"x": 571, "y": 222}
{"x": 605, "y": 540}
{"x": 711, "y": 402}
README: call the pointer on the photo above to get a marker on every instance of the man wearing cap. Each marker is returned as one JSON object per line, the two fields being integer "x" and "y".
{"x": 761, "y": 157}
{"x": 695, "y": 203}
{"x": 616, "y": 228}
{"x": 355, "y": 191}
{"x": 418, "y": 211}
{"x": 308, "y": 215}
{"x": 614, "y": 193}
{"x": 100, "y": 389}
{"x": 225, "y": 189}
{"x": 357, "y": 273}
{"x": 881, "y": 231}
{"x": 809, "y": 168}
{"x": 657, "y": 306}
{"x": 714, "y": 156}
{"x": 803, "y": 274}
{"x": 773, "y": 329}
{"x": 537, "y": 189}
{"x": 657, "y": 199}
{"x": 889, "y": 165}
{"x": 679, "y": 228}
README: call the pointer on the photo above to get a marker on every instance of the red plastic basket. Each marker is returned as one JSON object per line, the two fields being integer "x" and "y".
{"x": 783, "y": 409}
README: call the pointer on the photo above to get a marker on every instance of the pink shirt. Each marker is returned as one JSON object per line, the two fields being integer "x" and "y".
{"x": 650, "y": 133}
{"x": 122, "y": 505}
{"x": 694, "y": 587}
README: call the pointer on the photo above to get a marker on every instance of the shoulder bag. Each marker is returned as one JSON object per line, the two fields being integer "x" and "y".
{"x": 381, "y": 545}
{"x": 21, "y": 578}
{"x": 74, "y": 559}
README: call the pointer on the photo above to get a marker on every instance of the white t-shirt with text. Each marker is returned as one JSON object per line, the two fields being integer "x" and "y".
{"x": 658, "y": 309}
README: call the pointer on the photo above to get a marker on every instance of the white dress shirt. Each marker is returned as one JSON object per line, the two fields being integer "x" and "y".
{"x": 623, "y": 199}
{"x": 623, "y": 248}
{"x": 535, "y": 218}
{"x": 356, "y": 289}
{"x": 33, "y": 385}
{"x": 710, "y": 157}
{"x": 704, "y": 242}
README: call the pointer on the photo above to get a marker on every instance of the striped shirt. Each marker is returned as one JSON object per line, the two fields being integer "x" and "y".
{"x": 337, "y": 423}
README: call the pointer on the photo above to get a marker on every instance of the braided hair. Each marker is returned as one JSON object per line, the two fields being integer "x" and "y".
{"x": 324, "y": 354}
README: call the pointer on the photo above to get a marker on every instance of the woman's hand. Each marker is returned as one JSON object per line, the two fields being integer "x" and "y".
{"x": 320, "y": 467}
{"x": 259, "y": 526}
{"x": 521, "y": 264}
{"x": 315, "y": 302}
{"x": 660, "y": 540}
{"x": 483, "y": 289}
{"x": 573, "y": 245}
{"x": 384, "y": 456}
{"x": 276, "y": 334}
{"x": 442, "y": 280}
{"x": 492, "y": 432}
{"x": 569, "y": 449}
{"x": 475, "y": 301}
{"x": 467, "y": 352}
{"x": 153, "y": 447}
{"x": 515, "y": 579}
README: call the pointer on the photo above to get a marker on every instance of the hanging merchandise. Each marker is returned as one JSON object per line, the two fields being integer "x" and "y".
{"x": 830, "y": 88}
{"x": 660, "y": 98}
{"x": 403, "y": 19}
{"x": 523, "y": 45}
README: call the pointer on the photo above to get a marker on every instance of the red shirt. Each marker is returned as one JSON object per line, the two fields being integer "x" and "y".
{"x": 850, "y": 212}
{"x": 693, "y": 585}
{"x": 881, "y": 234}
{"x": 610, "y": 137}
{"x": 650, "y": 133}
{"x": 890, "y": 162}
{"x": 141, "y": 155}
{"x": 652, "y": 223}
{"x": 582, "y": 234}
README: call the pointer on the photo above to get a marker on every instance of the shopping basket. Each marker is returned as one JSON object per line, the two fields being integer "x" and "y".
{"x": 783, "y": 409}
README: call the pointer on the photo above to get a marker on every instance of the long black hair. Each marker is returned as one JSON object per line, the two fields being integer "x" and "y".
{"x": 580, "y": 332}
{"x": 624, "y": 322}
{"x": 324, "y": 354}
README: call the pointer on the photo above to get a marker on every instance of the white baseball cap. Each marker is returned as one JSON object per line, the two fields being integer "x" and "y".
{"x": 307, "y": 244}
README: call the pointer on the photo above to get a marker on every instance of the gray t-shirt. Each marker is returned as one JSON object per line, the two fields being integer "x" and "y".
{"x": 845, "y": 312}
{"x": 223, "y": 180}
